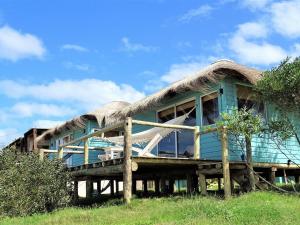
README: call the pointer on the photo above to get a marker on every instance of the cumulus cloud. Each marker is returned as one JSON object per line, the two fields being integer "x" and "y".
{"x": 47, "y": 123}
{"x": 249, "y": 45}
{"x": 74, "y": 47}
{"x": 201, "y": 11}
{"x": 86, "y": 93}
{"x": 81, "y": 67}
{"x": 15, "y": 45}
{"x": 128, "y": 46}
{"x": 285, "y": 18}
{"x": 25, "y": 109}
{"x": 256, "y": 4}
{"x": 7, "y": 135}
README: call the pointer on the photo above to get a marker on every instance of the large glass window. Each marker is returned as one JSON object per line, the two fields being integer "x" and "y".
{"x": 185, "y": 138}
{"x": 166, "y": 146}
{"x": 246, "y": 99}
{"x": 210, "y": 109}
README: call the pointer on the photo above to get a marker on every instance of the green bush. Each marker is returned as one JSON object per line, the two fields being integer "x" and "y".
{"x": 28, "y": 185}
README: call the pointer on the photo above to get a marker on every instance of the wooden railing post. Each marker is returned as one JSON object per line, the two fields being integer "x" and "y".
{"x": 41, "y": 154}
{"x": 225, "y": 162}
{"x": 127, "y": 170}
{"x": 197, "y": 142}
{"x": 86, "y": 151}
{"x": 60, "y": 152}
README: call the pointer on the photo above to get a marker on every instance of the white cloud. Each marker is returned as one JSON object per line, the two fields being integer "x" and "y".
{"x": 74, "y": 48}
{"x": 15, "y": 45}
{"x": 256, "y": 4}
{"x": 82, "y": 67}
{"x": 285, "y": 18}
{"x": 46, "y": 123}
{"x": 24, "y": 109}
{"x": 249, "y": 45}
{"x": 7, "y": 135}
{"x": 86, "y": 93}
{"x": 203, "y": 10}
{"x": 135, "y": 47}
{"x": 153, "y": 85}
{"x": 179, "y": 71}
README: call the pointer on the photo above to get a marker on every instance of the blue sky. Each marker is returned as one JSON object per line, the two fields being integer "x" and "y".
{"x": 59, "y": 59}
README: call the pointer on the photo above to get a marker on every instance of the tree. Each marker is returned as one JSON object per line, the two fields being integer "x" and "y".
{"x": 244, "y": 123}
{"x": 28, "y": 185}
{"x": 280, "y": 86}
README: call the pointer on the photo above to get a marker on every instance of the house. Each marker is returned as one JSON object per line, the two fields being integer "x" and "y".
{"x": 28, "y": 143}
{"x": 221, "y": 87}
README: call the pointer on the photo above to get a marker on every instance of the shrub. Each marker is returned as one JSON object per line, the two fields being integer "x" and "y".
{"x": 28, "y": 185}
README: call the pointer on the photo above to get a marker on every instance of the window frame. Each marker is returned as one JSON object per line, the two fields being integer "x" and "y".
{"x": 174, "y": 105}
{"x": 201, "y": 106}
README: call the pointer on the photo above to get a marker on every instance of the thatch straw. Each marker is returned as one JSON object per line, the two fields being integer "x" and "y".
{"x": 103, "y": 116}
{"x": 196, "y": 82}
{"x": 118, "y": 111}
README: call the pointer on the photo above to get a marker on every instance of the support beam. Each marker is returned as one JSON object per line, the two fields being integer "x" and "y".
{"x": 117, "y": 187}
{"x": 225, "y": 164}
{"x": 171, "y": 186}
{"x": 197, "y": 142}
{"x": 189, "y": 184}
{"x": 99, "y": 188}
{"x": 75, "y": 194}
{"x": 35, "y": 146}
{"x": 164, "y": 125}
{"x": 112, "y": 187}
{"x": 272, "y": 177}
{"x": 134, "y": 186}
{"x": 285, "y": 177}
{"x": 156, "y": 184}
{"x": 127, "y": 173}
{"x": 145, "y": 187}
{"x": 86, "y": 151}
{"x": 219, "y": 184}
{"x": 163, "y": 185}
{"x": 297, "y": 180}
{"x": 89, "y": 188}
{"x": 202, "y": 183}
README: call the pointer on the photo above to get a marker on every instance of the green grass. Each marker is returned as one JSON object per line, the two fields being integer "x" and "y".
{"x": 255, "y": 208}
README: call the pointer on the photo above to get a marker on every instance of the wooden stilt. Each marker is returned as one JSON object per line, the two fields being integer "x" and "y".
{"x": 285, "y": 177}
{"x": 112, "y": 187}
{"x": 89, "y": 188}
{"x": 297, "y": 180}
{"x": 133, "y": 186}
{"x": 273, "y": 175}
{"x": 75, "y": 197}
{"x": 145, "y": 187}
{"x": 117, "y": 187}
{"x": 202, "y": 183}
{"x": 171, "y": 186}
{"x": 225, "y": 164}
{"x": 163, "y": 185}
{"x": 127, "y": 173}
{"x": 219, "y": 184}
{"x": 250, "y": 163}
{"x": 189, "y": 188}
{"x": 156, "y": 183}
{"x": 99, "y": 188}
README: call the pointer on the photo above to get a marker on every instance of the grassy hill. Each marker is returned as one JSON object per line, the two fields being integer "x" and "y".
{"x": 255, "y": 208}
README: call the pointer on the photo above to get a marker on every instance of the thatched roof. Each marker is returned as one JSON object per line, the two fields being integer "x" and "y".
{"x": 195, "y": 82}
{"x": 103, "y": 115}
{"x": 118, "y": 111}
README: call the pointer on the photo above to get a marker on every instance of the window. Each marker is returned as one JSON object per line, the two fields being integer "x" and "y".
{"x": 185, "y": 138}
{"x": 178, "y": 143}
{"x": 210, "y": 109}
{"x": 246, "y": 98}
{"x": 166, "y": 146}
{"x": 113, "y": 133}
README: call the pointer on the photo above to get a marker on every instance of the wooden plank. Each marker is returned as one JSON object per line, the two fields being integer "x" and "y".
{"x": 127, "y": 172}
{"x": 60, "y": 153}
{"x": 225, "y": 162}
{"x": 100, "y": 171}
{"x": 163, "y": 125}
{"x": 197, "y": 142}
